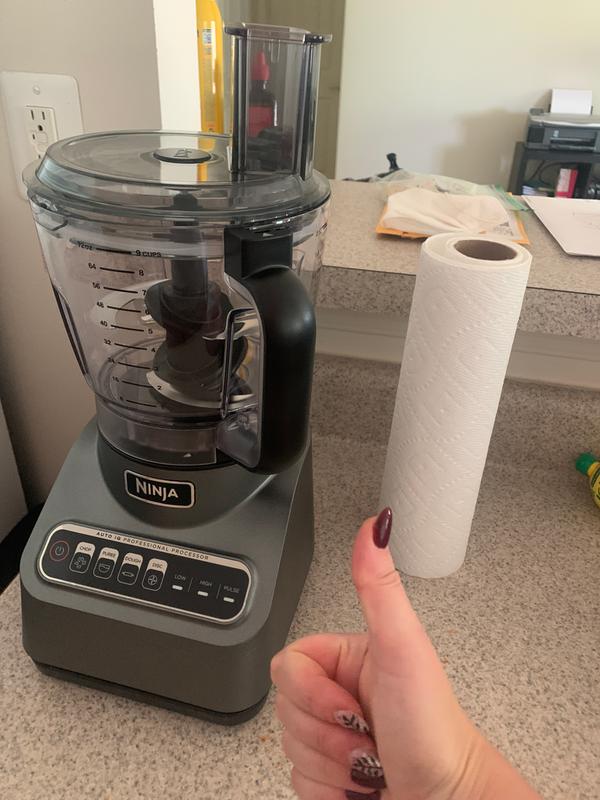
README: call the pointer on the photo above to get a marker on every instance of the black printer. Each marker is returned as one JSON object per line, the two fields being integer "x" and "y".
{"x": 562, "y": 131}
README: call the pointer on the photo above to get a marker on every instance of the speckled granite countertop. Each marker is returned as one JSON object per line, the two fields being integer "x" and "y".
{"x": 364, "y": 271}
{"x": 517, "y": 627}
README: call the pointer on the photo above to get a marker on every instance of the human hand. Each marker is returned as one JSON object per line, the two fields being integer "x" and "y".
{"x": 363, "y": 711}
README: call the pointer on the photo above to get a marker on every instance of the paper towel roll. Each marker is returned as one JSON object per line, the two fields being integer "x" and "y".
{"x": 464, "y": 314}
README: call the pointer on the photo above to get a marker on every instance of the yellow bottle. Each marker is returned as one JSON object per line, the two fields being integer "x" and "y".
{"x": 210, "y": 65}
{"x": 590, "y": 465}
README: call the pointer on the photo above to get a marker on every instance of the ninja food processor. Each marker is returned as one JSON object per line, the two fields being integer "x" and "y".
{"x": 170, "y": 555}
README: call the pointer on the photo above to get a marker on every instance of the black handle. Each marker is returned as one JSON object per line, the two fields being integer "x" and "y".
{"x": 262, "y": 264}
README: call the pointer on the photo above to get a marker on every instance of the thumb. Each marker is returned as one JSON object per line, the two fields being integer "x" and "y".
{"x": 386, "y": 607}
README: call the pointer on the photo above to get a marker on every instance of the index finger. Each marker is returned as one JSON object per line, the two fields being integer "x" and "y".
{"x": 304, "y": 672}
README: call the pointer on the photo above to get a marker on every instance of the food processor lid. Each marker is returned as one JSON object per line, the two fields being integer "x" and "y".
{"x": 273, "y": 33}
{"x": 166, "y": 173}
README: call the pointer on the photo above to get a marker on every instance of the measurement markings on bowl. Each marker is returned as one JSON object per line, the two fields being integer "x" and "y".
{"x": 114, "y": 269}
{"x": 125, "y": 328}
{"x": 124, "y": 308}
{"x": 116, "y": 289}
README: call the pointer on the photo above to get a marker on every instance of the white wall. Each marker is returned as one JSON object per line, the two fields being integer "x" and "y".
{"x": 446, "y": 85}
{"x": 109, "y": 46}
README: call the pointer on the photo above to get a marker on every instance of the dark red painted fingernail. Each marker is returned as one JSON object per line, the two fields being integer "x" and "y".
{"x": 360, "y": 796}
{"x": 382, "y": 528}
{"x": 366, "y": 770}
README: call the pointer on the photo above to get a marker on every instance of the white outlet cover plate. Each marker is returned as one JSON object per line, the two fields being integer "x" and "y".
{"x": 20, "y": 89}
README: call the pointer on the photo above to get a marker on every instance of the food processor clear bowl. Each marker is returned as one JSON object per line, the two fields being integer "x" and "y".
{"x": 170, "y": 343}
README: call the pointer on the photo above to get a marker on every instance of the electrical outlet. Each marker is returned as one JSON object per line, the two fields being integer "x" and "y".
{"x": 40, "y": 124}
{"x": 39, "y": 110}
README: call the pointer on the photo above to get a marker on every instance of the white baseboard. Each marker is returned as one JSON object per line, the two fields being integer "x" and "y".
{"x": 540, "y": 357}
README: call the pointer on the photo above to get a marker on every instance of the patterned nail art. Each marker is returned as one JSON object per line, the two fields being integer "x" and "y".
{"x": 350, "y": 795}
{"x": 366, "y": 770}
{"x": 351, "y": 721}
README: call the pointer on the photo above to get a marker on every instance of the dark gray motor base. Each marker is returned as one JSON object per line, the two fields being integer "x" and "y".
{"x": 185, "y": 662}
{"x": 154, "y": 699}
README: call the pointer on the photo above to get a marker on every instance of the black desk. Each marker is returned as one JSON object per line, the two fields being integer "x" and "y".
{"x": 583, "y": 160}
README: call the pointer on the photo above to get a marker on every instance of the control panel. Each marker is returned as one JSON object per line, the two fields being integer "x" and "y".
{"x": 173, "y": 578}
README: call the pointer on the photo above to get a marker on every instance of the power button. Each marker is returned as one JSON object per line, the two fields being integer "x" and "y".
{"x": 59, "y": 550}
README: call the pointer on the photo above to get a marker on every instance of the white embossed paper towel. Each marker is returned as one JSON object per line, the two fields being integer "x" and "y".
{"x": 466, "y": 305}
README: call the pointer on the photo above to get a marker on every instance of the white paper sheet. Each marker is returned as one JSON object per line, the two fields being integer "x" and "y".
{"x": 575, "y": 224}
{"x": 571, "y": 101}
